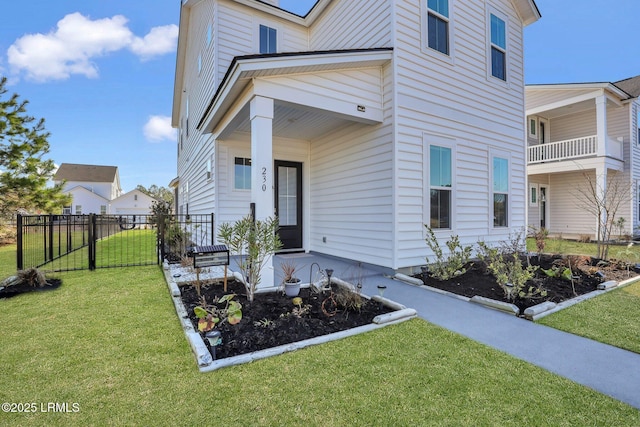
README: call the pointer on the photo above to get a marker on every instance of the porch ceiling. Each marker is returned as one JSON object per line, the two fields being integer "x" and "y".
{"x": 569, "y": 109}
{"x": 289, "y": 121}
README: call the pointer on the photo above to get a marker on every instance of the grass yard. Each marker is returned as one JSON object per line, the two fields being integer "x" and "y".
{"x": 570, "y": 247}
{"x": 7, "y": 261}
{"x": 109, "y": 341}
{"x": 612, "y": 318}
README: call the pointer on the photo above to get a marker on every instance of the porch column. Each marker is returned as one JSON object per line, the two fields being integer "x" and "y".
{"x": 601, "y": 190}
{"x": 601, "y": 124}
{"x": 261, "y": 115}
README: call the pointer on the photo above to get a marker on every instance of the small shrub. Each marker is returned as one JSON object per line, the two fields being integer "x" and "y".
{"x": 508, "y": 270}
{"x": 452, "y": 265}
{"x": 584, "y": 238}
{"x": 540, "y": 236}
{"x": 209, "y": 315}
{"x": 348, "y": 300}
{"x": 255, "y": 242}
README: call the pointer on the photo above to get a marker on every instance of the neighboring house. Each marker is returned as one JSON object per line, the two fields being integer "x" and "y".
{"x": 135, "y": 202}
{"x": 582, "y": 133}
{"x": 356, "y": 124}
{"x": 96, "y": 189}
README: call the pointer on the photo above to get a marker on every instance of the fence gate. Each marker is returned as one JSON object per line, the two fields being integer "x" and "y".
{"x": 86, "y": 242}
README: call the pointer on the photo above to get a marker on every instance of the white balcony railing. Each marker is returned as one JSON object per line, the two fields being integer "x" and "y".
{"x": 572, "y": 149}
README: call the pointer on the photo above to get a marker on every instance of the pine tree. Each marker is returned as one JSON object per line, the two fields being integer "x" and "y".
{"x": 24, "y": 173}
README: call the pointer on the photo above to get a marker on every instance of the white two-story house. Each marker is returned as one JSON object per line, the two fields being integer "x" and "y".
{"x": 583, "y": 136}
{"x": 95, "y": 189}
{"x": 356, "y": 124}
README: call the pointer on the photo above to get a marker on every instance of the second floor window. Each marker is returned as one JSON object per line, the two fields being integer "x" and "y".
{"x": 268, "y": 39}
{"x": 438, "y": 25}
{"x": 498, "y": 48}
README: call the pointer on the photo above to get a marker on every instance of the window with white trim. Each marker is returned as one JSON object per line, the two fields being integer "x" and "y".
{"x": 438, "y": 25}
{"x": 500, "y": 192}
{"x": 103, "y": 209}
{"x": 533, "y": 195}
{"x": 498, "y": 47}
{"x": 440, "y": 187}
{"x": 66, "y": 210}
{"x": 533, "y": 127}
{"x": 242, "y": 173}
{"x": 268, "y": 40}
{"x": 78, "y": 209}
{"x": 208, "y": 173}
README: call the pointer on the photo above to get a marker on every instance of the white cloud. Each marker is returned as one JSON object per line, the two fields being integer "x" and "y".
{"x": 71, "y": 47}
{"x": 158, "y": 128}
{"x": 159, "y": 41}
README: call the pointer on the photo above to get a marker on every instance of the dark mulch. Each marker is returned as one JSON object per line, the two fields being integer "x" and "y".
{"x": 479, "y": 281}
{"x": 270, "y": 321}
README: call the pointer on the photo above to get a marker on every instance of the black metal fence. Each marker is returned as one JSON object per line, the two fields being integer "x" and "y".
{"x": 81, "y": 242}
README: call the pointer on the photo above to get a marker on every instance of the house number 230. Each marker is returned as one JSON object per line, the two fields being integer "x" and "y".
{"x": 264, "y": 179}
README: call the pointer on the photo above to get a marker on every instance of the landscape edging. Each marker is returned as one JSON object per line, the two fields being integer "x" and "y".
{"x": 206, "y": 363}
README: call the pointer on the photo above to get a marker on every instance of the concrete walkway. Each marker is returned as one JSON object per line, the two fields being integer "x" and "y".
{"x": 604, "y": 368}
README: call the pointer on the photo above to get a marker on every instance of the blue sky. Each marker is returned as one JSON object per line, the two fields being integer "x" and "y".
{"x": 100, "y": 72}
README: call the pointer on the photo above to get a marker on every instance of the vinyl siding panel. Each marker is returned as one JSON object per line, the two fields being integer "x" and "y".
{"x": 238, "y": 33}
{"x": 353, "y": 24}
{"x": 570, "y": 204}
{"x": 455, "y": 98}
{"x": 351, "y": 194}
{"x": 573, "y": 126}
{"x": 352, "y": 187}
{"x": 634, "y": 147}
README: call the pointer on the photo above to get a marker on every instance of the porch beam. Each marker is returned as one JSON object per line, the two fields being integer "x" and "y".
{"x": 563, "y": 103}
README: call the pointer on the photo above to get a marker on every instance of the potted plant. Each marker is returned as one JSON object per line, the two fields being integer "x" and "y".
{"x": 289, "y": 280}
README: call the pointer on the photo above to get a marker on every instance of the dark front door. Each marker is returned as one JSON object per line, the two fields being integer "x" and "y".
{"x": 288, "y": 182}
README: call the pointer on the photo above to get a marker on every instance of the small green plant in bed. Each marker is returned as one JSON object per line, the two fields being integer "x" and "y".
{"x": 445, "y": 267}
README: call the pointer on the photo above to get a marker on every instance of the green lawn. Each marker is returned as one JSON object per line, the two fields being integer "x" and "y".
{"x": 612, "y": 318}
{"x": 133, "y": 247}
{"x": 7, "y": 261}
{"x": 570, "y": 247}
{"x": 110, "y": 341}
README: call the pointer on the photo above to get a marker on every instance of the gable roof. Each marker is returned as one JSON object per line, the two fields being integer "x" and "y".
{"x": 86, "y": 173}
{"x": 88, "y": 193}
{"x": 630, "y": 85}
{"x": 132, "y": 192}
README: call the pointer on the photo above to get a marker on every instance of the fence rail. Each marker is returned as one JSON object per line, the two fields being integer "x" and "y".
{"x": 81, "y": 242}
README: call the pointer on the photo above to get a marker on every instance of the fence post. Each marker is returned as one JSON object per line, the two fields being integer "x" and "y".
{"x": 161, "y": 230}
{"x": 50, "y": 237}
{"x": 92, "y": 241}
{"x": 19, "y": 259}
{"x": 213, "y": 229}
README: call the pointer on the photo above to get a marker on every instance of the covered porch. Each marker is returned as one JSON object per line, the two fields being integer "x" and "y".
{"x": 277, "y": 106}
{"x": 574, "y": 122}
